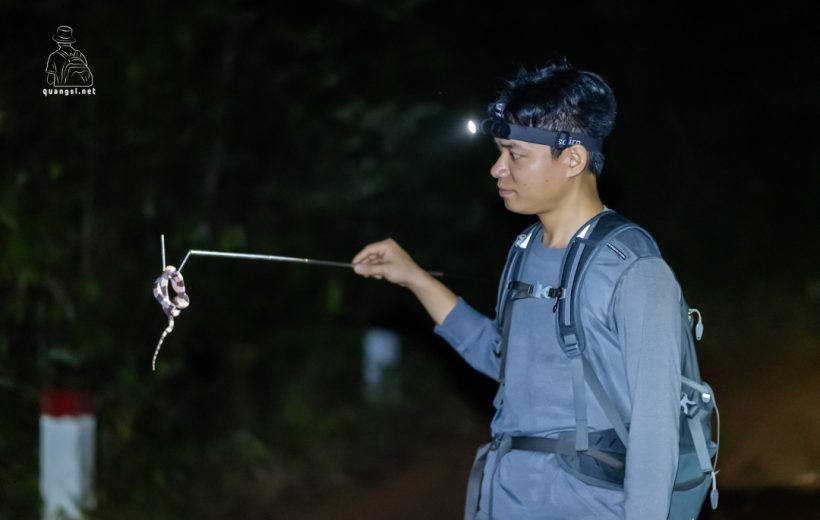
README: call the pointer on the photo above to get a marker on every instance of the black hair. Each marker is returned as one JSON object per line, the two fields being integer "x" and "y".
{"x": 561, "y": 98}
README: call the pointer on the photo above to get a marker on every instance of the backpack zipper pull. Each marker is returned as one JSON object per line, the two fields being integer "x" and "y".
{"x": 714, "y": 495}
{"x": 698, "y": 323}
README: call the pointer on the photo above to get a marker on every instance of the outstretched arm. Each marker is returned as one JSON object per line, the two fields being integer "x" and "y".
{"x": 387, "y": 260}
{"x": 474, "y": 336}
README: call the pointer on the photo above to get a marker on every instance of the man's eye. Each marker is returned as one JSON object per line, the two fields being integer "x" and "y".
{"x": 514, "y": 156}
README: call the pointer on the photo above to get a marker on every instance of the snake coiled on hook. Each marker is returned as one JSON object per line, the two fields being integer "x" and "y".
{"x": 171, "y": 306}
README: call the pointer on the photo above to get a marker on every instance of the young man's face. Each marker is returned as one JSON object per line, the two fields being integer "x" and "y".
{"x": 529, "y": 180}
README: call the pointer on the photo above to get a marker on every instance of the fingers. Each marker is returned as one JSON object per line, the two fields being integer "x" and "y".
{"x": 372, "y": 266}
{"x": 371, "y": 258}
{"x": 367, "y": 252}
{"x": 369, "y": 265}
{"x": 380, "y": 260}
{"x": 377, "y": 251}
{"x": 370, "y": 270}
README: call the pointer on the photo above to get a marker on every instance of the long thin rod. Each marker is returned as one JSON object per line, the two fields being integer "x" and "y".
{"x": 274, "y": 258}
{"x": 162, "y": 241}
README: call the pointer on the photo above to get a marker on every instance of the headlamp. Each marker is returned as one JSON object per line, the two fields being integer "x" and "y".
{"x": 497, "y": 126}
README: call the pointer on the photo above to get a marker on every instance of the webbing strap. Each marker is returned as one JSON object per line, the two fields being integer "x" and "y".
{"x": 512, "y": 267}
{"x": 520, "y": 290}
{"x": 568, "y": 276}
{"x": 474, "y": 482}
{"x": 700, "y": 387}
{"x": 505, "y": 338}
{"x": 579, "y": 394}
{"x": 696, "y": 426}
{"x": 605, "y": 402}
{"x": 559, "y": 446}
{"x": 504, "y": 305}
{"x": 502, "y": 445}
{"x": 699, "y": 440}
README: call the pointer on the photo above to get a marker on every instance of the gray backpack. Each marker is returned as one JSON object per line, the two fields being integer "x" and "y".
{"x": 598, "y": 458}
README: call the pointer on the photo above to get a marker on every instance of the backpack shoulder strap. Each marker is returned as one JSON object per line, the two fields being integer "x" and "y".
{"x": 596, "y": 232}
{"x": 512, "y": 269}
{"x": 590, "y": 237}
{"x": 511, "y": 272}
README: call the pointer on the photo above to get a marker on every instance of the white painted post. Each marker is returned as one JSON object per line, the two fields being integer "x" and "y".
{"x": 67, "y": 430}
{"x": 380, "y": 363}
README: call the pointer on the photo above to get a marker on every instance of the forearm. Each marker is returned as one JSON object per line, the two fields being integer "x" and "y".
{"x": 436, "y": 298}
{"x": 474, "y": 336}
{"x": 387, "y": 260}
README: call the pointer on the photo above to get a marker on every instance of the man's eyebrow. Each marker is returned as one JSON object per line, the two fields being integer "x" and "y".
{"x": 509, "y": 146}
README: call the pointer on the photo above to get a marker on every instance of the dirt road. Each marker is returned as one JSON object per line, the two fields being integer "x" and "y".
{"x": 770, "y": 451}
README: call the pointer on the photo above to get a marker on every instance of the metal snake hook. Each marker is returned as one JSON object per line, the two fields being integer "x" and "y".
{"x": 172, "y": 276}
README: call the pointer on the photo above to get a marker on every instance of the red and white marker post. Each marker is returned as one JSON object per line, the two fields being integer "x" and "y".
{"x": 67, "y": 431}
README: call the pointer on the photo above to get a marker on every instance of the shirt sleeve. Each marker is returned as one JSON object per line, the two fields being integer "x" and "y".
{"x": 474, "y": 336}
{"x": 51, "y": 65}
{"x": 647, "y": 312}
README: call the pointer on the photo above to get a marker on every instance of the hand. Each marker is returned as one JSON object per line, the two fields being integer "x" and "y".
{"x": 387, "y": 260}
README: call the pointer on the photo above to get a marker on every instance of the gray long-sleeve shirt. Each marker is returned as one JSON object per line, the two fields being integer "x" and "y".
{"x": 634, "y": 348}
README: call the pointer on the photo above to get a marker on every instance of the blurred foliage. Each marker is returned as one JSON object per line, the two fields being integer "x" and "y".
{"x": 231, "y": 128}
{"x": 230, "y": 125}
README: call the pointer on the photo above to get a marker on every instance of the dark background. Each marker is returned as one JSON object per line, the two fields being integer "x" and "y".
{"x": 312, "y": 129}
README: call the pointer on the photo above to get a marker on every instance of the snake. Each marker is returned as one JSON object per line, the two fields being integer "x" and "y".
{"x": 172, "y": 307}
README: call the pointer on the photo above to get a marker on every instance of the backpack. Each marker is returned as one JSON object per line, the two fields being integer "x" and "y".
{"x": 75, "y": 71}
{"x": 598, "y": 458}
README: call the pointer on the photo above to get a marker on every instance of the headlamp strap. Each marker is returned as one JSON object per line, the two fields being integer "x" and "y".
{"x": 498, "y": 126}
{"x": 559, "y": 140}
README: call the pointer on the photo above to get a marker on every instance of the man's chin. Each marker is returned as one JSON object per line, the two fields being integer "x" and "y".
{"x": 516, "y": 207}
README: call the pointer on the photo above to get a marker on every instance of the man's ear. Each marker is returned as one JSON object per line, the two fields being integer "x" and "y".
{"x": 576, "y": 158}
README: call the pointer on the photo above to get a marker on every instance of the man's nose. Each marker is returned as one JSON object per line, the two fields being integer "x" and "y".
{"x": 500, "y": 168}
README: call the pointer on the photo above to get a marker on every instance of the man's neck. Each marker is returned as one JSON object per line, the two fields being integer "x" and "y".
{"x": 561, "y": 223}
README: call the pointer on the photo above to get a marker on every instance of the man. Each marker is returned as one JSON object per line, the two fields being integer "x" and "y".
{"x": 632, "y": 325}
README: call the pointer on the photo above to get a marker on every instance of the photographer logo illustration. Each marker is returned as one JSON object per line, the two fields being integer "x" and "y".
{"x": 67, "y": 70}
